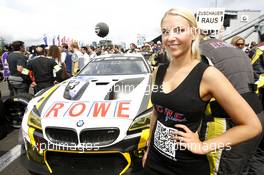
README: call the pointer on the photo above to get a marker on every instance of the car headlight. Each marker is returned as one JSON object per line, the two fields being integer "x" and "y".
{"x": 141, "y": 122}
{"x": 34, "y": 119}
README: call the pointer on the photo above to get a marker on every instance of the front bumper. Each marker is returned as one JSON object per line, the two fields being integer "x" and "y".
{"x": 121, "y": 158}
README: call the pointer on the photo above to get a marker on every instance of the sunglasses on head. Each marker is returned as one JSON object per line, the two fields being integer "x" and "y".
{"x": 240, "y": 44}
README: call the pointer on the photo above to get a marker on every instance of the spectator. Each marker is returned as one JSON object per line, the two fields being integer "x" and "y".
{"x": 54, "y": 53}
{"x": 91, "y": 52}
{"x": 84, "y": 51}
{"x": 43, "y": 68}
{"x": 7, "y": 50}
{"x": 238, "y": 42}
{"x": 77, "y": 58}
{"x": 66, "y": 55}
{"x": 133, "y": 48}
{"x": 6, "y": 71}
{"x": 18, "y": 79}
{"x": 236, "y": 66}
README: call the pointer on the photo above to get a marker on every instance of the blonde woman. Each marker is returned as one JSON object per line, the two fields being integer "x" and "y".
{"x": 185, "y": 87}
{"x": 238, "y": 42}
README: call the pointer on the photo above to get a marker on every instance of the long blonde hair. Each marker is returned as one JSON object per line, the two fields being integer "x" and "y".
{"x": 188, "y": 15}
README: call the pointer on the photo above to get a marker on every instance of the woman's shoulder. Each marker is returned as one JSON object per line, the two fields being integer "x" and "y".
{"x": 211, "y": 70}
{"x": 213, "y": 75}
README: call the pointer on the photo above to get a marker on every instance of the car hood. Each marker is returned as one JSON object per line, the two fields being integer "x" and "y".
{"x": 95, "y": 101}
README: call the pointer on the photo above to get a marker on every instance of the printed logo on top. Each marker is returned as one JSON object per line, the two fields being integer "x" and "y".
{"x": 210, "y": 20}
{"x": 97, "y": 109}
{"x": 170, "y": 114}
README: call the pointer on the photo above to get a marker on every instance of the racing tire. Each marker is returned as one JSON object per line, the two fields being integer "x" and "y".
{"x": 1, "y": 76}
{"x": 15, "y": 107}
{"x": 3, "y": 131}
{"x": 3, "y": 123}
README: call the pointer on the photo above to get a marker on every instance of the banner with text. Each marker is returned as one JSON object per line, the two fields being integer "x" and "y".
{"x": 210, "y": 20}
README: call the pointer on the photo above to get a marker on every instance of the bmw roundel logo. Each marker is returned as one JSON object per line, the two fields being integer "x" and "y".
{"x": 80, "y": 123}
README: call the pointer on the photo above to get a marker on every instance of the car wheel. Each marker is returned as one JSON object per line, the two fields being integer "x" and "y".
{"x": 3, "y": 131}
{"x": 15, "y": 107}
{"x": 3, "y": 125}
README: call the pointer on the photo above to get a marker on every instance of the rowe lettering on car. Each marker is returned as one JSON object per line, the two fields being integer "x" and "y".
{"x": 96, "y": 109}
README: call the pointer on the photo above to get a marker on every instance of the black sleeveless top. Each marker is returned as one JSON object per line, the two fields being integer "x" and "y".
{"x": 182, "y": 105}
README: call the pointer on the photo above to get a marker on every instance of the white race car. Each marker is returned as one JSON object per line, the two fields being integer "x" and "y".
{"x": 93, "y": 123}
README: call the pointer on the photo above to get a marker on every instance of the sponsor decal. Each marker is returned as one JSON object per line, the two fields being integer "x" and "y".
{"x": 97, "y": 109}
{"x": 170, "y": 114}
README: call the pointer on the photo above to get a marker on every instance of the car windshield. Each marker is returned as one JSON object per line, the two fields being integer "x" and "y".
{"x": 115, "y": 66}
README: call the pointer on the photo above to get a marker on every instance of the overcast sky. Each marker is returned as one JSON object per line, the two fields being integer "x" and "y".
{"x": 31, "y": 19}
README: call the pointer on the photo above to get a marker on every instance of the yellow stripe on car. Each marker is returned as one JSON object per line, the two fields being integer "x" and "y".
{"x": 149, "y": 104}
{"x": 128, "y": 159}
{"x": 31, "y": 136}
{"x": 143, "y": 138}
{"x": 125, "y": 155}
{"x": 46, "y": 95}
{"x": 46, "y": 162}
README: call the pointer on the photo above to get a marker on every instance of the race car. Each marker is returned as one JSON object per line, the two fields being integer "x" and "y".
{"x": 94, "y": 123}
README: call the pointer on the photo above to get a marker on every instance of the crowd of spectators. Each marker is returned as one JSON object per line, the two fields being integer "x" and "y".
{"x": 72, "y": 58}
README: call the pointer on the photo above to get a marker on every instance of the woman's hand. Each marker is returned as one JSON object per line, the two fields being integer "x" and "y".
{"x": 189, "y": 140}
